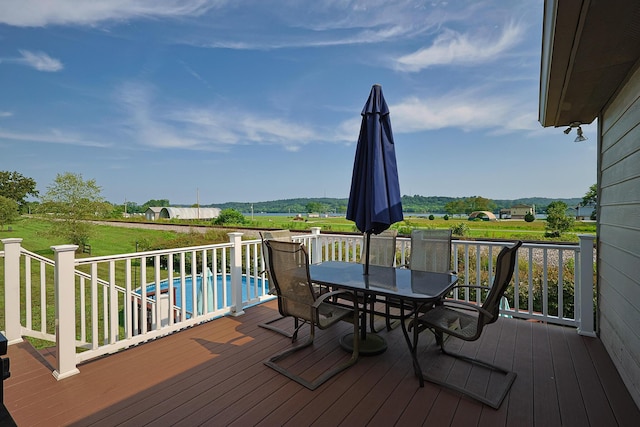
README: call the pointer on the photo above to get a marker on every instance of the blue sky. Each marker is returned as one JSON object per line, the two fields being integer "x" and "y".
{"x": 260, "y": 100}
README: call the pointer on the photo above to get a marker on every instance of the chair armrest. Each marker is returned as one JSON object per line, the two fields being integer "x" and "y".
{"x": 324, "y": 296}
{"x": 451, "y": 303}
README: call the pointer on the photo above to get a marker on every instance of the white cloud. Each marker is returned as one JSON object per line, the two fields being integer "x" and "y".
{"x": 6, "y": 114}
{"x": 197, "y": 128}
{"x": 453, "y": 48}
{"x": 39, "y": 60}
{"x": 325, "y": 23}
{"x": 51, "y": 136}
{"x": 38, "y": 13}
{"x": 467, "y": 110}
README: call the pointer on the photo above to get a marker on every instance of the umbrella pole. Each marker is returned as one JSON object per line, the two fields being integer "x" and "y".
{"x": 367, "y": 248}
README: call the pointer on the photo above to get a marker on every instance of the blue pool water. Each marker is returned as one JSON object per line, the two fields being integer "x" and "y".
{"x": 248, "y": 291}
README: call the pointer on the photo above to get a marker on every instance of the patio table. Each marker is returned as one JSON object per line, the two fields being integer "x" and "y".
{"x": 414, "y": 290}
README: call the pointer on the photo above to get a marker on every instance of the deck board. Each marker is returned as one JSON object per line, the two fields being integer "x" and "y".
{"x": 214, "y": 374}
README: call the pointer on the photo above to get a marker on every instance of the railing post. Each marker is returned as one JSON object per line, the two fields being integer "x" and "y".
{"x": 316, "y": 250}
{"x": 584, "y": 290}
{"x": 65, "y": 304}
{"x": 236, "y": 274}
{"x": 13, "y": 329}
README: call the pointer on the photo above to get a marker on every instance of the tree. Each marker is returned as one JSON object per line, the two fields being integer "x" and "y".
{"x": 455, "y": 207}
{"x": 315, "y": 207}
{"x": 557, "y": 220}
{"x": 15, "y": 186}
{"x": 160, "y": 203}
{"x": 591, "y": 198}
{"x": 8, "y": 211}
{"x": 72, "y": 200}
{"x": 229, "y": 217}
{"x": 478, "y": 203}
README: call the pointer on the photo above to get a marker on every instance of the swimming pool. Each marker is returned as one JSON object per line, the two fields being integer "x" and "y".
{"x": 222, "y": 291}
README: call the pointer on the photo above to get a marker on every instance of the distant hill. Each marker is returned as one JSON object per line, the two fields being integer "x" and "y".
{"x": 410, "y": 204}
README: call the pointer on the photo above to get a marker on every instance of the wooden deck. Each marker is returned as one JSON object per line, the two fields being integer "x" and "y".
{"x": 213, "y": 374}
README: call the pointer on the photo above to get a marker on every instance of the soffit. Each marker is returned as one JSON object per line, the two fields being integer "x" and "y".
{"x": 588, "y": 49}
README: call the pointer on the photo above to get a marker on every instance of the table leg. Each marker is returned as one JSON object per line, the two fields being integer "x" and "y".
{"x": 413, "y": 346}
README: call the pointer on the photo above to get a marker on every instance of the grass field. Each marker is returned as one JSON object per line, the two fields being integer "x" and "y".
{"x": 505, "y": 229}
{"x": 116, "y": 240}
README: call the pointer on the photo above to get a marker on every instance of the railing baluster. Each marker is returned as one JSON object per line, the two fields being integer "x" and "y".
{"x": 516, "y": 284}
{"x": 143, "y": 296}
{"x": 27, "y": 292}
{"x": 183, "y": 290}
{"x": 214, "y": 279}
{"x": 94, "y": 306}
{"x": 530, "y": 283}
{"x": 223, "y": 272}
{"x": 194, "y": 286}
{"x": 560, "y": 284}
{"x": 545, "y": 284}
{"x": 43, "y": 297}
{"x": 170, "y": 290}
{"x": 83, "y": 310}
{"x": 113, "y": 304}
{"x": 204, "y": 283}
{"x": 128, "y": 300}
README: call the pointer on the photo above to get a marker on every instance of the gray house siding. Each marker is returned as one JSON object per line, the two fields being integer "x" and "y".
{"x": 619, "y": 232}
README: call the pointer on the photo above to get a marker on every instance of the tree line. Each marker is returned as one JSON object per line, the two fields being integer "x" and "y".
{"x": 71, "y": 199}
{"x": 410, "y": 204}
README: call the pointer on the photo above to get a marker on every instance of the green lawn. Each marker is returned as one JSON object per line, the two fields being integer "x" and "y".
{"x": 117, "y": 240}
{"x": 505, "y": 229}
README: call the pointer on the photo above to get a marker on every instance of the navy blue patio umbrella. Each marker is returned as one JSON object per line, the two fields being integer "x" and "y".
{"x": 375, "y": 200}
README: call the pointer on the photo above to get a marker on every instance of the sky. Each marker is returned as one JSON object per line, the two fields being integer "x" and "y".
{"x": 216, "y": 101}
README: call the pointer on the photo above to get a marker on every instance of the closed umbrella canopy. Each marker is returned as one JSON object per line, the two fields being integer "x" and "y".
{"x": 375, "y": 200}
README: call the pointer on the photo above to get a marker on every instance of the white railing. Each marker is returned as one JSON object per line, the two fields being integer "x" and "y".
{"x": 97, "y": 305}
{"x": 545, "y": 275}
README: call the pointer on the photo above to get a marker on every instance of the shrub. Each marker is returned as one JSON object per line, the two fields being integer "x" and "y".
{"x": 460, "y": 229}
{"x": 431, "y": 217}
{"x": 229, "y": 216}
{"x": 446, "y": 217}
{"x": 557, "y": 219}
{"x": 529, "y": 217}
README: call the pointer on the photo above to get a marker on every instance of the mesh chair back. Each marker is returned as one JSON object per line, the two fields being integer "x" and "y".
{"x": 430, "y": 250}
{"x": 505, "y": 265}
{"x": 289, "y": 268}
{"x": 279, "y": 235}
{"x": 382, "y": 250}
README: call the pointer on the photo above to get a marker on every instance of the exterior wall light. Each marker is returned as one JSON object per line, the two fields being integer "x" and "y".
{"x": 580, "y": 136}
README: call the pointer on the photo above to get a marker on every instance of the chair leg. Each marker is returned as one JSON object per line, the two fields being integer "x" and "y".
{"x": 312, "y": 385}
{"x": 389, "y": 324}
{"x": 296, "y": 324}
{"x": 494, "y": 402}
